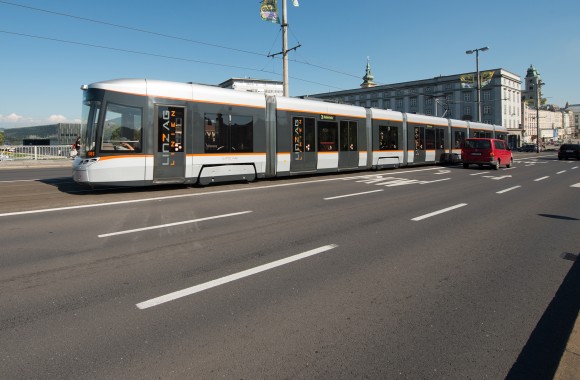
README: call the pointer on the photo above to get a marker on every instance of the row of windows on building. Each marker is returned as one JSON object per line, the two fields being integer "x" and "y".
{"x": 467, "y": 96}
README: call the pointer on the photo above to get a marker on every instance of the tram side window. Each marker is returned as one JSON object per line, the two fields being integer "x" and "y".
{"x": 440, "y": 138}
{"x": 214, "y": 133}
{"x": 482, "y": 134}
{"x": 388, "y": 137}
{"x": 458, "y": 139}
{"x": 228, "y": 133}
{"x": 122, "y": 129}
{"x": 348, "y": 135}
{"x": 242, "y": 132}
{"x": 309, "y": 134}
{"x": 429, "y": 138}
{"x": 327, "y": 136}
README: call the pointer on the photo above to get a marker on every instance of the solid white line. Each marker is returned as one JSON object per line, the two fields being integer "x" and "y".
{"x": 233, "y": 277}
{"x": 563, "y": 171}
{"x": 438, "y": 212}
{"x": 541, "y": 178}
{"x": 21, "y": 180}
{"x": 172, "y": 224}
{"x": 506, "y": 190}
{"x": 351, "y": 195}
{"x": 576, "y": 185}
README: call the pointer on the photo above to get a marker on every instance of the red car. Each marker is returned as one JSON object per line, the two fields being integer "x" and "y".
{"x": 482, "y": 151}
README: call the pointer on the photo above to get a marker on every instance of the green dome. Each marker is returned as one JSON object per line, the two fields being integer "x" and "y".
{"x": 532, "y": 72}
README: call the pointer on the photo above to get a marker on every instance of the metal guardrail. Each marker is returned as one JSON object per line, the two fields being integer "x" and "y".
{"x": 23, "y": 152}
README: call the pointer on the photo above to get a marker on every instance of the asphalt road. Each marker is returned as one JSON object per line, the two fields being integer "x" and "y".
{"x": 428, "y": 272}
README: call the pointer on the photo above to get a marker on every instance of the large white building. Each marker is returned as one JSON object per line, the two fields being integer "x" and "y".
{"x": 451, "y": 96}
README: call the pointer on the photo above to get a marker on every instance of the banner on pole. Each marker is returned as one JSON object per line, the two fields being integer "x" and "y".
{"x": 470, "y": 80}
{"x": 269, "y": 11}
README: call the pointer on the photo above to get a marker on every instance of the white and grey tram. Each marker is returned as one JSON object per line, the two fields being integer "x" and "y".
{"x": 139, "y": 132}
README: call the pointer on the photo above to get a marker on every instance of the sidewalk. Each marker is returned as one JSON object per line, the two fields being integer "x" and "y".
{"x": 20, "y": 164}
{"x": 569, "y": 367}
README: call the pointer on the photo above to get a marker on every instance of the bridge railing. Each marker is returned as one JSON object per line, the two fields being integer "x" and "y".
{"x": 35, "y": 152}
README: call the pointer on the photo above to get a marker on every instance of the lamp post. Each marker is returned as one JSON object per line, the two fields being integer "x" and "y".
{"x": 485, "y": 48}
{"x": 538, "y": 97}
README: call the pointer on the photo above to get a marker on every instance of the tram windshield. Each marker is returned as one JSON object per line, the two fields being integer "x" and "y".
{"x": 90, "y": 118}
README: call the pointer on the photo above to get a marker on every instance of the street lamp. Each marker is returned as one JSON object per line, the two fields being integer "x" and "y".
{"x": 485, "y": 48}
{"x": 538, "y": 97}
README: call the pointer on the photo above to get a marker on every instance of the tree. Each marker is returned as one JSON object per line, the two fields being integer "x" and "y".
{"x": 1, "y": 137}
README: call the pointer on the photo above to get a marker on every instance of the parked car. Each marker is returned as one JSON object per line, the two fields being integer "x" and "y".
{"x": 528, "y": 148}
{"x": 567, "y": 151}
{"x": 483, "y": 151}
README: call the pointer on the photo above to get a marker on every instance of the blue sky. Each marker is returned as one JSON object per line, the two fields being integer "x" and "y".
{"x": 49, "y": 48}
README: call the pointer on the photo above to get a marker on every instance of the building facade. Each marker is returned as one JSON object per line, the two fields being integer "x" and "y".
{"x": 54, "y": 134}
{"x": 452, "y": 96}
{"x": 551, "y": 123}
{"x": 574, "y": 114}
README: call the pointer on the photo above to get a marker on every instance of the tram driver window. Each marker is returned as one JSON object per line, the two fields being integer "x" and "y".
{"x": 122, "y": 129}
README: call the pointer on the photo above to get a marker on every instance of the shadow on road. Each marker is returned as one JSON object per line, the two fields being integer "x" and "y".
{"x": 561, "y": 217}
{"x": 541, "y": 355}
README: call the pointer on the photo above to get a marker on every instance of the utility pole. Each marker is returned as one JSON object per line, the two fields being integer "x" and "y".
{"x": 476, "y": 51}
{"x": 285, "y": 48}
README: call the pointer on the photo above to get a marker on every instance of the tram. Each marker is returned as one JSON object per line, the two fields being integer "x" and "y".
{"x": 141, "y": 132}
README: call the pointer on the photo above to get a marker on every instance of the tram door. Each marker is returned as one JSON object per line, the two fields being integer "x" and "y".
{"x": 439, "y": 144}
{"x": 169, "y": 156}
{"x": 304, "y": 157}
{"x": 418, "y": 144}
{"x": 348, "y": 154}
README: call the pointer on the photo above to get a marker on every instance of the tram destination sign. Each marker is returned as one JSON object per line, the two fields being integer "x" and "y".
{"x": 327, "y": 117}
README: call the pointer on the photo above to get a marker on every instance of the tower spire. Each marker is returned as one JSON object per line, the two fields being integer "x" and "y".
{"x": 368, "y": 78}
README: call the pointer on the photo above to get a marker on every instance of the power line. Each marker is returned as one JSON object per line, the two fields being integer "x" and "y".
{"x": 130, "y": 51}
{"x": 131, "y": 28}
{"x": 171, "y": 37}
{"x": 152, "y": 55}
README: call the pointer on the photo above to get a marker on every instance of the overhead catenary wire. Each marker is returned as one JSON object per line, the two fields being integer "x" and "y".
{"x": 86, "y": 19}
{"x": 153, "y": 55}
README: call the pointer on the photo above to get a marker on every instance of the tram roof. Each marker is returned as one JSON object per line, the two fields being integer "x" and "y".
{"x": 181, "y": 91}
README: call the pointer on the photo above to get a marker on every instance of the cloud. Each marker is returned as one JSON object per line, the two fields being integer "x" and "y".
{"x": 16, "y": 121}
{"x": 12, "y": 118}
{"x": 57, "y": 119}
